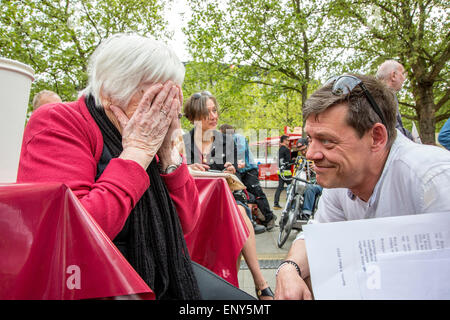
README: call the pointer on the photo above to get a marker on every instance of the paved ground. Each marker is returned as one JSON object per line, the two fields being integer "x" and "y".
{"x": 267, "y": 249}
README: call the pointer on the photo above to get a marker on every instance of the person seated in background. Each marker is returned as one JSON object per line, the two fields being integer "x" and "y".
{"x": 45, "y": 97}
{"x": 444, "y": 135}
{"x": 312, "y": 190}
{"x": 368, "y": 169}
{"x": 248, "y": 171}
{"x": 114, "y": 147}
{"x": 209, "y": 149}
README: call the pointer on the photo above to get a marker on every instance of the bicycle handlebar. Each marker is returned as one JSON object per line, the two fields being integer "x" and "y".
{"x": 303, "y": 180}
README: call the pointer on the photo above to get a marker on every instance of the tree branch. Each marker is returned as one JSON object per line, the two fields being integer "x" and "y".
{"x": 408, "y": 105}
{"x": 443, "y": 100}
{"x": 442, "y": 117}
{"x": 91, "y": 20}
{"x": 440, "y": 63}
{"x": 284, "y": 87}
{"x": 409, "y": 117}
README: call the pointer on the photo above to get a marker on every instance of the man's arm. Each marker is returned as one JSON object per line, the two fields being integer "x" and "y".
{"x": 289, "y": 285}
{"x": 284, "y": 156}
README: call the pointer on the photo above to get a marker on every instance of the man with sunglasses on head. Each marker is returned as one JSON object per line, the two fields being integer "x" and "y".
{"x": 393, "y": 75}
{"x": 368, "y": 170}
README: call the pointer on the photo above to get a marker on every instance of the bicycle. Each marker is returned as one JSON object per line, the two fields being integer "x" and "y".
{"x": 291, "y": 217}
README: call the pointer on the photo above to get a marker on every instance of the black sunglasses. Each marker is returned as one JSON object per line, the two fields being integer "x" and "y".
{"x": 346, "y": 83}
{"x": 202, "y": 93}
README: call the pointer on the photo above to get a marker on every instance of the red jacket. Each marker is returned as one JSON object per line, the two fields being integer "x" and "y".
{"x": 62, "y": 143}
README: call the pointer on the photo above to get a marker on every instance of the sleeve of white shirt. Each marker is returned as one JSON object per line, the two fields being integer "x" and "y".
{"x": 436, "y": 190}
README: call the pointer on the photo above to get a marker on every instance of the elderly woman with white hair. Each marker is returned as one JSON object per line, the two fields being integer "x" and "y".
{"x": 114, "y": 148}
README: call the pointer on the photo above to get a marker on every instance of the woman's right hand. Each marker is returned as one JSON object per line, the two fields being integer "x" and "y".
{"x": 144, "y": 132}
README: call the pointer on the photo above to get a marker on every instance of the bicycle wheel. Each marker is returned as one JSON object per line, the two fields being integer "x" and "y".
{"x": 286, "y": 222}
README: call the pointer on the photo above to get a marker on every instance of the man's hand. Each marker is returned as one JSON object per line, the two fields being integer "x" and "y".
{"x": 289, "y": 283}
{"x": 290, "y": 286}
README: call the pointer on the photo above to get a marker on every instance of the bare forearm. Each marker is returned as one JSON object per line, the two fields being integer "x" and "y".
{"x": 297, "y": 253}
{"x": 289, "y": 284}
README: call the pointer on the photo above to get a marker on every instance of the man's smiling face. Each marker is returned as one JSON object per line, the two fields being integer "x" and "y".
{"x": 340, "y": 156}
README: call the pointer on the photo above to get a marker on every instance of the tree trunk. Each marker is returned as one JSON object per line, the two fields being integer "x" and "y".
{"x": 424, "y": 98}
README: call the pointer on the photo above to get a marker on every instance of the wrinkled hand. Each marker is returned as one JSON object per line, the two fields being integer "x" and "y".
{"x": 290, "y": 286}
{"x": 199, "y": 166}
{"x": 229, "y": 168}
{"x": 173, "y": 144}
{"x": 144, "y": 132}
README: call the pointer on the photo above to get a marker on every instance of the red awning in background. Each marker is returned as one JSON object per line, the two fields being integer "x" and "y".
{"x": 293, "y": 133}
{"x": 275, "y": 141}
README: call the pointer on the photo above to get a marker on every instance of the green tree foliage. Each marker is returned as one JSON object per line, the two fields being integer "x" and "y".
{"x": 56, "y": 37}
{"x": 415, "y": 33}
{"x": 291, "y": 46}
{"x": 246, "y": 105}
{"x": 278, "y": 45}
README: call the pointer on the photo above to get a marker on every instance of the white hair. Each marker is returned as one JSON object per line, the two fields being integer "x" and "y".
{"x": 123, "y": 62}
{"x": 385, "y": 69}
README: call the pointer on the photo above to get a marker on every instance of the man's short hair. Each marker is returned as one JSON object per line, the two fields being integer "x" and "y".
{"x": 227, "y": 128}
{"x": 360, "y": 115}
{"x": 37, "y": 98}
{"x": 283, "y": 138}
{"x": 385, "y": 69}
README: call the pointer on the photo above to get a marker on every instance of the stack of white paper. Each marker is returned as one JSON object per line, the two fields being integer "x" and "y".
{"x": 403, "y": 257}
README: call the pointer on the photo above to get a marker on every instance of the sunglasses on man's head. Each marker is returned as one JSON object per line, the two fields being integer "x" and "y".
{"x": 202, "y": 93}
{"x": 345, "y": 84}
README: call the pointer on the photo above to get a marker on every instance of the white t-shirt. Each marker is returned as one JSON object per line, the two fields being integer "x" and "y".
{"x": 415, "y": 179}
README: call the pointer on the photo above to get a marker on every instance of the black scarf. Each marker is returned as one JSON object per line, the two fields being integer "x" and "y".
{"x": 152, "y": 239}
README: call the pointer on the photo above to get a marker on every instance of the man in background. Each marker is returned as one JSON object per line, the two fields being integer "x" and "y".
{"x": 444, "y": 135}
{"x": 45, "y": 97}
{"x": 393, "y": 74}
{"x": 248, "y": 171}
{"x": 284, "y": 157}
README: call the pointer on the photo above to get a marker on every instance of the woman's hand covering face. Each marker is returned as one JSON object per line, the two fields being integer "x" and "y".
{"x": 173, "y": 144}
{"x": 144, "y": 132}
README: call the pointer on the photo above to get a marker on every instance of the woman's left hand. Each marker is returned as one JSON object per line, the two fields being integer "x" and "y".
{"x": 229, "y": 168}
{"x": 173, "y": 144}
